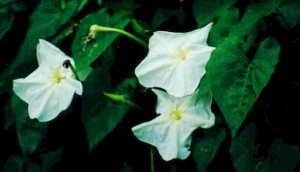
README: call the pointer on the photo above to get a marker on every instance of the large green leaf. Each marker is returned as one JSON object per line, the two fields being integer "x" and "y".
{"x": 254, "y": 13}
{"x": 236, "y": 81}
{"x": 242, "y": 149}
{"x": 221, "y": 29}
{"x": 102, "y": 115}
{"x": 85, "y": 54}
{"x": 204, "y": 149}
{"x": 46, "y": 20}
{"x": 208, "y": 11}
{"x": 29, "y": 132}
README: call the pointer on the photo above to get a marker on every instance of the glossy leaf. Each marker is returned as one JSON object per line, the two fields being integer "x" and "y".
{"x": 236, "y": 81}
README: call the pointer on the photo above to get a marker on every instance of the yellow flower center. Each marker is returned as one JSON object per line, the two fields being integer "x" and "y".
{"x": 57, "y": 76}
{"x": 176, "y": 114}
{"x": 182, "y": 53}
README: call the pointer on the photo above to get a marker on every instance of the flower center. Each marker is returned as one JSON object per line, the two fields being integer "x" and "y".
{"x": 182, "y": 53}
{"x": 57, "y": 75}
{"x": 176, "y": 114}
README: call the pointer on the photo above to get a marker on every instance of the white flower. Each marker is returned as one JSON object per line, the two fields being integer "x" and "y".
{"x": 171, "y": 131}
{"x": 50, "y": 88}
{"x": 176, "y": 61}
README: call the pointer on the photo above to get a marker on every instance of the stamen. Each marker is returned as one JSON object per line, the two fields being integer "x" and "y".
{"x": 176, "y": 114}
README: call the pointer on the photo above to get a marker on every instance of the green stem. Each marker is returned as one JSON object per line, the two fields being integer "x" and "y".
{"x": 173, "y": 167}
{"x": 152, "y": 160}
{"x": 96, "y": 28}
{"x": 74, "y": 72}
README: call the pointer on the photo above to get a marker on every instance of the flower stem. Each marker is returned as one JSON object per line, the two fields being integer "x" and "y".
{"x": 173, "y": 167}
{"x": 97, "y": 28}
{"x": 152, "y": 160}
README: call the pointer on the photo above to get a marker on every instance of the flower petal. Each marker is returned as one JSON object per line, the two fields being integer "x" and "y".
{"x": 59, "y": 100}
{"x": 32, "y": 92}
{"x": 162, "y": 42}
{"x": 176, "y": 61}
{"x": 74, "y": 84}
{"x": 49, "y": 55}
{"x": 165, "y": 102}
{"x": 45, "y": 100}
{"x": 164, "y": 74}
{"x": 164, "y": 134}
{"x": 198, "y": 36}
{"x": 198, "y": 117}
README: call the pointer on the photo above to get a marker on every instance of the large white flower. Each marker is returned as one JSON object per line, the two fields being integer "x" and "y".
{"x": 171, "y": 131}
{"x": 50, "y": 88}
{"x": 175, "y": 61}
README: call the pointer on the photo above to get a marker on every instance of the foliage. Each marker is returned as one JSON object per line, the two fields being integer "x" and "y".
{"x": 255, "y": 61}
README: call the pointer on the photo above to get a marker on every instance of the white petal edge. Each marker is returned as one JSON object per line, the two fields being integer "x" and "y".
{"x": 163, "y": 134}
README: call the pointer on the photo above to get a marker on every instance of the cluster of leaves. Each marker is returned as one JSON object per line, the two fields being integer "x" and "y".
{"x": 250, "y": 46}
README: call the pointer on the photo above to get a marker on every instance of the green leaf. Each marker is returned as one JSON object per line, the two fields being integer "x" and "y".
{"x": 102, "y": 116}
{"x": 240, "y": 81}
{"x": 82, "y": 4}
{"x": 46, "y": 20}
{"x": 160, "y": 16}
{"x": 83, "y": 54}
{"x": 208, "y": 11}
{"x": 204, "y": 149}
{"x": 29, "y": 132}
{"x": 49, "y": 159}
{"x": 140, "y": 27}
{"x": 9, "y": 115}
{"x": 242, "y": 149}
{"x": 222, "y": 28}
{"x": 13, "y": 164}
{"x": 254, "y": 13}
{"x": 290, "y": 11}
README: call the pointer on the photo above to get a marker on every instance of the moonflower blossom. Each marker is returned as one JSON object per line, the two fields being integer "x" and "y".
{"x": 175, "y": 61}
{"x": 50, "y": 88}
{"x": 171, "y": 131}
